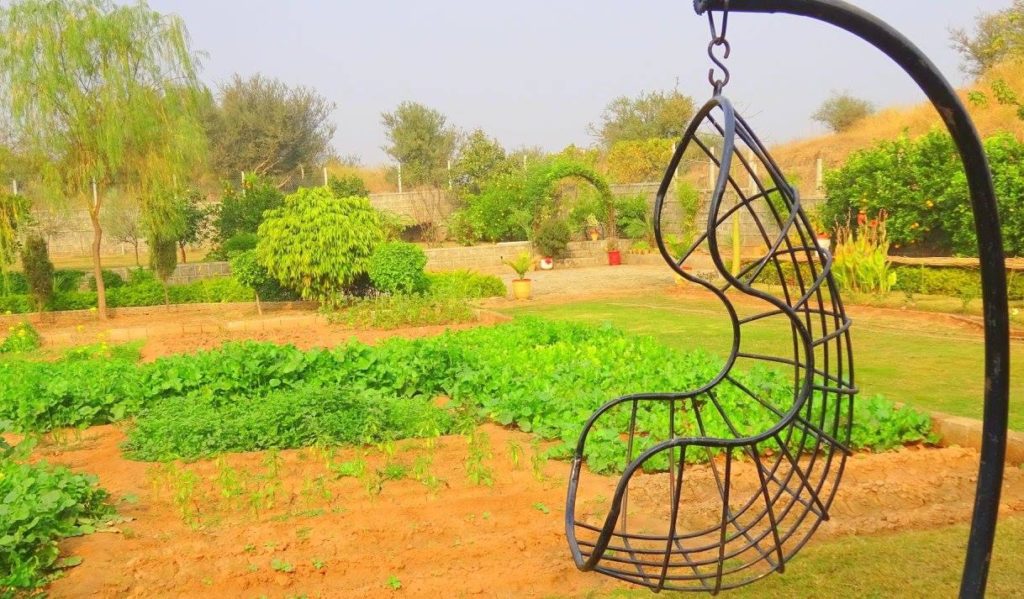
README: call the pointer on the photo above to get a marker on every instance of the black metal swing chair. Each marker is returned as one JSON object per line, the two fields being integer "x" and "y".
{"x": 668, "y": 525}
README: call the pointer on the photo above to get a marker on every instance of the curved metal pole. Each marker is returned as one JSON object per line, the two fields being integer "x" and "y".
{"x": 990, "y": 248}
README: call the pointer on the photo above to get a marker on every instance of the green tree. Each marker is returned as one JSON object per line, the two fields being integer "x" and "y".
{"x": 195, "y": 220}
{"x": 662, "y": 115}
{"x": 101, "y": 94}
{"x": 841, "y": 110}
{"x": 421, "y": 141}
{"x": 346, "y": 186}
{"x": 480, "y": 159}
{"x": 637, "y": 161}
{"x": 241, "y": 210}
{"x": 261, "y": 126}
{"x": 35, "y": 261}
{"x": 999, "y": 35}
{"x": 317, "y": 244}
{"x": 163, "y": 260}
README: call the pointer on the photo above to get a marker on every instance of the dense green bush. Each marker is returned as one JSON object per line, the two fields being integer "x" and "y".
{"x": 552, "y": 238}
{"x": 42, "y": 504}
{"x": 319, "y": 245}
{"x": 634, "y": 216}
{"x": 513, "y": 204}
{"x": 242, "y": 210}
{"x": 347, "y": 186}
{"x": 236, "y": 244}
{"x": 465, "y": 284}
{"x": 21, "y": 337}
{"x": 66, "y": 279}
{"x": 397, "y": 267}
{"x": 13, "y": 283}
{"x": 247, "y": 270}
{"x": 35, "y": 260}
{"x": 15, "y": 304}
{"x": 111, "y": 280}
{"x": 921, "y": 185}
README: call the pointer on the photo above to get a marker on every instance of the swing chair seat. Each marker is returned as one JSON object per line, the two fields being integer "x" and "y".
{"x": 706, "y": 501}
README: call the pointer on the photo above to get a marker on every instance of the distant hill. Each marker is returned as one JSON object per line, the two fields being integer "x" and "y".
{"x": 797, "y": 158}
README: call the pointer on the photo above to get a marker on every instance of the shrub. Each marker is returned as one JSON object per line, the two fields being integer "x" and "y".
{"x": 77, "y": 300}
{"x": 552, "y": 238}
{"x": 347, "y": 186}
{"x": 861, "y": 259}
{"x": 22, "y": 337}
{"x": 65, "y": 280}
{"x": 15, "y": 304}
{"x": 317, "y": 244}
{"x": 634, "y": 217}
{"x": 247, "y": 270}
{"x": 236, "y": 244}
{"x": 163, "y": 259}
{"x": 841, "y": 110}
{"x": 35, "y": 260}
{"x": 13, "y": 283}
{"x": 921, "y": 185}
{"x": 242, "y": 210}
{"x": 111, "y": 280}
{"x": 397, "y": 267}
{"x": 465, "y": 284}
{"x": 42, "y": 505}
{"x": 138, "y": 276}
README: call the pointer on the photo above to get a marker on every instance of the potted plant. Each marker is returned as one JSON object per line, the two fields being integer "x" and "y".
{"x": 521, "y": 264}
{"x": 552, "y": 241}
{"x": 593, "y": 227}
{"x": 677, "y": 245}
{"x": 824, "y": 242}
{"x": 614, "y": 255}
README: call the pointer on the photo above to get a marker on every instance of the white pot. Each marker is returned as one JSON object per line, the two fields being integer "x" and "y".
{"x": 547, "y": 263}
{"x": 824, "y": 243}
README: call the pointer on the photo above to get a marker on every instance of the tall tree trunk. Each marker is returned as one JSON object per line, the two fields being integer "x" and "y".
{"x": 97, "y": 269}
{"x": 138, "y": 263}
{"x": 259, "y": 308}
{"x": 184, "y": 258}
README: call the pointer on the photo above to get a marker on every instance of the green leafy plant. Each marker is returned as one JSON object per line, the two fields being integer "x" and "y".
{"x": 862, "y": 258}
{"x": 391, "y": 312}
{"x": 396, "y": 267}
{"x": 42, "y": 504}
{"x": 241, "y": 210}
{"x": 319, "y": 245}
{"x": 552, "y": 238}
{"x": 21, "y": 338}
{"x": 280, "y": 565}
{"x": 521, "y": 264}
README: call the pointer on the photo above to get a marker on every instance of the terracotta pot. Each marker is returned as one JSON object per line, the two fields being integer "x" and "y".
{"x": 547, "y": 263}
{"x": 595, "y": 235}
{"x": 614, "y": 257}
{"x": 521, "y": 288}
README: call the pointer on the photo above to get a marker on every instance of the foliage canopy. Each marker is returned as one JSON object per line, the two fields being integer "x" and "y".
{"x": 841, "y": 110}
{"x": 660, "y": 115}
{"x": 421, "y": 141}
{"x": 319, "y": 245}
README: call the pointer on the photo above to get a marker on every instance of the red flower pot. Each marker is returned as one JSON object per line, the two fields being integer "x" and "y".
{"x": 614, "y": 257}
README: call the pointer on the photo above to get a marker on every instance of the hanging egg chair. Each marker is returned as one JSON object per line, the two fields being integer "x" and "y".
{"x": 762, "y": 492}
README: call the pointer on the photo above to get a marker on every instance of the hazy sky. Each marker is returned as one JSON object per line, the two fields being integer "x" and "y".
{"x": 534, "y": 72}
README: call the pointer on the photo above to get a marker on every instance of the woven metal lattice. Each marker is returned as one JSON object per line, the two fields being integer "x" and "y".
{"x": 711, "y": 497}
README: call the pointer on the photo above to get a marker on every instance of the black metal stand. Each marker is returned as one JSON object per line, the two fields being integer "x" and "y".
{"x": 990, "y": 248}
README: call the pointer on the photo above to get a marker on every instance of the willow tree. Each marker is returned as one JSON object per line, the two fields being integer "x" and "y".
{"x": 100, "y": 95}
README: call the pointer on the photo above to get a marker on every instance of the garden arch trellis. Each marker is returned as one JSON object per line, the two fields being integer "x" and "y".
{"x": 995, "y": 308}
{"x": 541, "y": 185}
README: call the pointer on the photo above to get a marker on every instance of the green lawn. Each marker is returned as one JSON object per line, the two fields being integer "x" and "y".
{"x": 914, "y": 564}
{"x": 930, "y": 364}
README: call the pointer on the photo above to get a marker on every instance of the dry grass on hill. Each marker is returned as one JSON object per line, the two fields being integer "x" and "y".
{"x": 798, "y": 157}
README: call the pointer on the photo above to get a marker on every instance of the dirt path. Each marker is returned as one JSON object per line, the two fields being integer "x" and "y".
{"x": 434, "y": 531}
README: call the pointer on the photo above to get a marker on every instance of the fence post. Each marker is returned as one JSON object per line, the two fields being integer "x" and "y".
{"x": 399, "y": 177}
{"x": 14, "y": 186}
{"x": 325, "y": 176}
{"x": 818, "y": 178}
{"x": 711, "y": 169}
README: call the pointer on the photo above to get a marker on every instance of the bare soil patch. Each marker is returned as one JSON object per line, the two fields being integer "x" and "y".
{"x": 443, "y": 536}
